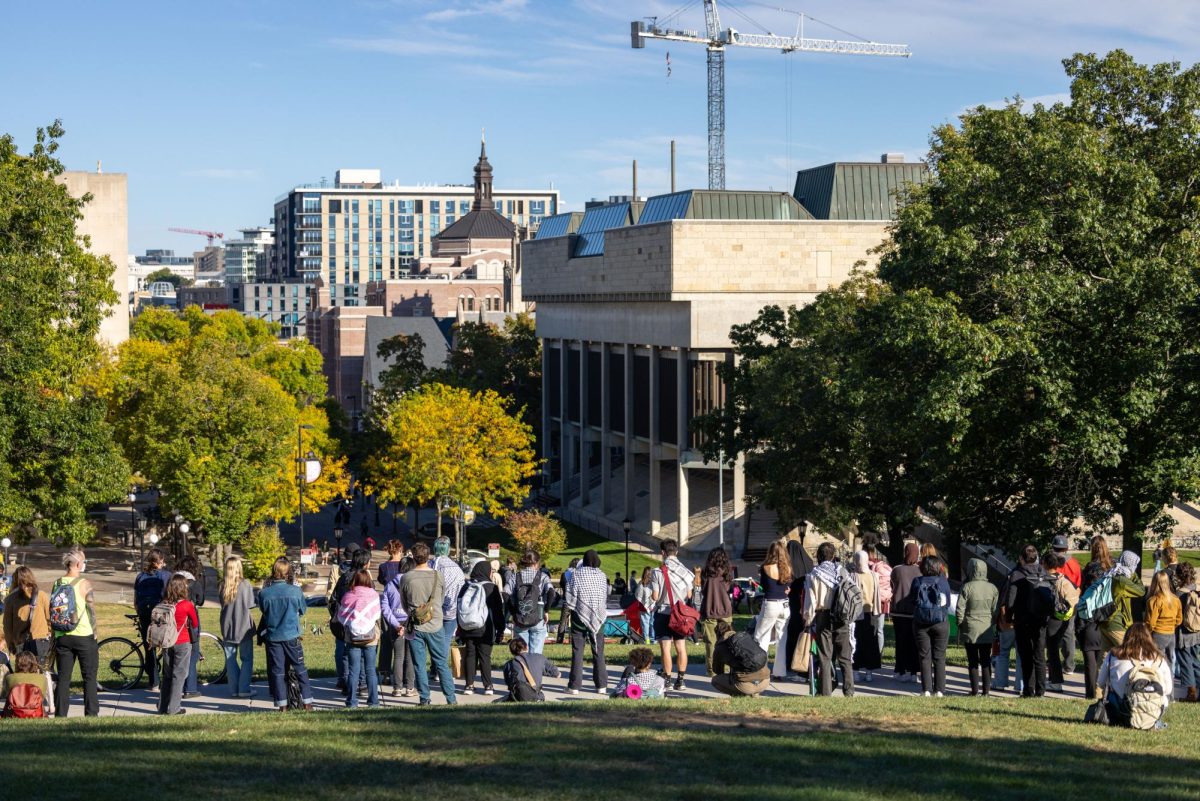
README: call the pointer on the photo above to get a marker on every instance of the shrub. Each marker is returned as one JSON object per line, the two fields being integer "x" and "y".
{"x": 260, "y": 549}
{"x": 533, "y": 530}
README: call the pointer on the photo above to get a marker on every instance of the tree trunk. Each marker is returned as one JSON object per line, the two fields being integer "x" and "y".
{"x": 1132, "y": 528}
{"x": 894, "y": 550}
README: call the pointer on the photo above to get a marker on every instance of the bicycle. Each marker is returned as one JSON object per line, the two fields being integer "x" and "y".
{"x": 122, "y": 661}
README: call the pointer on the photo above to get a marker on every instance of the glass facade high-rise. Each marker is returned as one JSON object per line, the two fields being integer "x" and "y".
{"x": 361, "y": 229}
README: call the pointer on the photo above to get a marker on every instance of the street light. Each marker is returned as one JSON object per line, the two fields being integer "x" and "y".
{"x": 337, "y": 538}
{"x": 141, "y": 530}
{"x": 626, "y": 524}
{"x": 6, "y": 543}
{"x": 308, "y": 470}
{"x": 132, "y": 515}
{"x": 153, "y": 538}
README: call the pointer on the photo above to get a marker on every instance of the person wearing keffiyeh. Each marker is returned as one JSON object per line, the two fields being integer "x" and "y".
{"x": 832, "y": 642}
{"x": 1127, "y": 588}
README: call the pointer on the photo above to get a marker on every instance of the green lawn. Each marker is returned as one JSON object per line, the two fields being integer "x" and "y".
{"x": 579, "y": 541}
{"x": 775, "y": 749}
{"x": 1147, "y": 557}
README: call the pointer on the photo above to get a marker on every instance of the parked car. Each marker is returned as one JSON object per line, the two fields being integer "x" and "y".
{"x": 428, "y": 531}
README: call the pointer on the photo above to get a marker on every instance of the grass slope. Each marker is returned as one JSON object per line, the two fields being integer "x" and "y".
{"x": 579, "y": 541}
{"x": 863, "y": 748}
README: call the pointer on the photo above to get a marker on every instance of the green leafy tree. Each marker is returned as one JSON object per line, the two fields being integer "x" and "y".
{"x": 261, "y": 548}
{"x": 506, "y": 359}
{"x": 1071, "y": 233}
{"x": 165, "y": 274}
{"x": 407, "y": 370}
{"x": 57, "y": 456}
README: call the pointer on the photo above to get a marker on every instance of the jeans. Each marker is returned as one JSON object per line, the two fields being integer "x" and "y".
{"x": 279, "y": 655}
{"x": 237, "y": 675}
{"x": 534, "y": 637}
{"x": 647, "y": 619}
{"x": 192, "y": 683}
{"x": 1008, "y": 638}
{"x": 1166, "y": 644}
{"x": 361, "y": 659}
{"x": 174, "y": 676}
{"x": 772, "y": 625}
{"x": 1057, "y": 632}
{"x": 708, "y": 633}
{"x": 931, "y": 653}
{"x": 67, "y": 649}
{"x": 433, "y": 645}
{"x": 1031, "y": 646}
{"x": 339, "y": 660}
{"x": 833, "y": 645}
{"x": 879, "y": 621}
{"x": 979, "y": 660}
{"x": 599, "y": 671}
{"x": 402, "y": 663}
{"x": 1189, "y": 666}
{"x": 478, "y": 650}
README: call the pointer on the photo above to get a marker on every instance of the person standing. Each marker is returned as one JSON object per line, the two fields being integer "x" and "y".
{"x": 386, "y": 572}
{"x": 359, "y": 615}
{"x": 903, "y": 577}
{"x": 587, "y": 602}
{"x": 775, "y": 575}
{"x": 832, "y": 639}
{"x": 1058, "y": 629}
{"x": 237, "y": 629}
{"x": 867, "y": 657}
{"x": 645, "y": 597}
{"x": 27, "y": 617}
{"x": 1090, "y": 639}
{"x": 1164, "y": 614}
{"x": 1006, "y": 641}
{"x": 477, "y": 652}
{"x": 978, "y": 602}
{"x": 1074, "y": 574}
{"x": 1188, "y": 642}
{"x": 883, "y": 572}
{"x": 1127, "y": 587}
{"x": 564, "y": 616}
{"x": 189, "y": 567}
{"x": 422, "y": 593}
{"x": 452, "y": 584}
{"x": 177, "y": 658}
{"x": 395, "y": 620}
{"x": 716, "y": 579}
{"x": 73, "y": 619}
{"x": 358, "y": 559}
{"x": 531, "y": 596}
{"x": 679, "y": 590}
{"x": 282, "y": 605}
{"x": 931, "y": 624}
{"x": 149, "y": 587}
{"x": 1029, "y": 605}
{"x": 802, "y": 565}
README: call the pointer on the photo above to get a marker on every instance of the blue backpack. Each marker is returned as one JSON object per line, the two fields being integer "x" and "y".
{"x": 929, "y": 609}
{"x": 64, "y": 613}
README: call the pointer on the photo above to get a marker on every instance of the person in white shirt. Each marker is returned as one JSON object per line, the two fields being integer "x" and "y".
{"x": 1137, "y": 650}
{"x": 681, "y": 590}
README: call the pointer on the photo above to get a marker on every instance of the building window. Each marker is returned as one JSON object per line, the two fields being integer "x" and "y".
{"x": 435, "y": 207}
{"x": 407, "y": 206}
{"x": 464, "y": 206}
{"x": 354, "y": 206}
{"x": 537, "y": 207}
{"x": 335, "y": 207}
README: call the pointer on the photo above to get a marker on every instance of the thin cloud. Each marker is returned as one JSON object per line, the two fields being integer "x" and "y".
{"x": 500, "y": 8}
{"x": 223, "y": 173}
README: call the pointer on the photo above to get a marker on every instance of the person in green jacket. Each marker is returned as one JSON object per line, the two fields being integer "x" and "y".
{"x": 976, "y": 612}
{"x": 1126, "y": 587}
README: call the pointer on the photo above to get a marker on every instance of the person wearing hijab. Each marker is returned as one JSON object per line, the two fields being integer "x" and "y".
{"x": 802, "y": 565}
{"x": 1127, "y": 588}
{"x": 866, "y": 646}
{"x": 478, "y": 643}
{"x": 902, "y": 611}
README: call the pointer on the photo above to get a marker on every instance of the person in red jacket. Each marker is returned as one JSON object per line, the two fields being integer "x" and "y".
{"x": 1074, "y": 573}
{"x": 177, "y": 658}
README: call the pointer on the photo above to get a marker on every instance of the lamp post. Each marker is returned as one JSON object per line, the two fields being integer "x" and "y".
{"x": 308, "y": 470}
{"x": 141, "y": 529}
{"x": 721, "y": 494}
{"x": 5, "y": 543}
{"x": 132, "y": 515}
{"x": 626, "y": 524}
{"x": 337, "y": 538}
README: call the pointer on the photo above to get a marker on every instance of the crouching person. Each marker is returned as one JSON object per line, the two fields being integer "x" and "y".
{"x": 746, "y": 660}
{"x": 524, "y": 672}
{"x": 639, "y": 679}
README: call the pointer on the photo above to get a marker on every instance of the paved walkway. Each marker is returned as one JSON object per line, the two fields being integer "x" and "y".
{"x": 215, "y": 699}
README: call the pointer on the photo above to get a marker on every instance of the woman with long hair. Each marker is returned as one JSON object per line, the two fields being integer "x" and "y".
{"x": 1164, "y": 614}
{"x": 237, "y": 628}
{"x": 359, "y": 614}
{"x": 866, "y": 645}
{"x": 189, "y": 567}
{"x": 27, "y": 617}
{"x": 645, "y": 597}
{"x": 1100, "y": 553}
{"x": 177, "y": 657}
{"x": 902, "y": 612}
{"x": 715, "y": 581}
{"x": 388, "y": 570}
{"x": 802, "y": 565}
{"x": 1188, "y": 641}
{"x": 1136, "y": 651}
{"x": 775, "y": 576}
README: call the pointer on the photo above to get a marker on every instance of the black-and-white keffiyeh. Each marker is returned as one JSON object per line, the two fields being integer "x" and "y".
{"x": 828, "y": 572}
{"x": 587, "y": 596}
{"x": 1126, "y": 566}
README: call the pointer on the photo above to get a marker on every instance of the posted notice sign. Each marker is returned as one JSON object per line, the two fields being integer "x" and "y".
{"x": 493, "y": 550}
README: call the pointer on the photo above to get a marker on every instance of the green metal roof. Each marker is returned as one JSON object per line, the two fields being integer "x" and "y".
{"x": 705, "y": 204}
{"x": 856, "y": 190}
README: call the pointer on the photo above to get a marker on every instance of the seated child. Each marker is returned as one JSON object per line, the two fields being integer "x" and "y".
{"x": 640, "y": 672}
{"x": 524, "y": 672}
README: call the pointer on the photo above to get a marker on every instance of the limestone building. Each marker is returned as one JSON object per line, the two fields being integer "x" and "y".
{"x": 106, "y": 221}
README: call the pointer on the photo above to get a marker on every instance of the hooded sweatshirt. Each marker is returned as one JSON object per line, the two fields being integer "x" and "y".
{"x": 360, "y": 609}
{"x": 902, "y": 579}
{"x": 977, "y": 603}
{"x": 1019, "y": 603}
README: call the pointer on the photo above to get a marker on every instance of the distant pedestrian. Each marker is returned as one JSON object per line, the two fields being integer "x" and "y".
{"x": 27, "y": 617}
{"x": 1029, "y": 605}
{"x": 177, "y": 657}
{"x": 645, "y": 597}
{"x": 564, "y": 615}
{"x": 531, "y": 596}
{"x": 587, "y": 601}
{"x": 665, "y": 593}
{"x": 237, "y": 628}
{"x": 190, "y": 568}
{"x": 978, "y": 603}
{"x": 73, "y": 619}
{"x": 478, "y": 640}
{"x": 1074, "y": 574}
{"x": 1088, "y": 634}
{"x": 452, "y": 584}
{"x": 883, "y": 572}
{"x": 802, "y": 564}
{"x": 832, "y": 637}
{"x": 1127, "y": 588}
{"x": 1059, "y": 628}
{"x": 1164, "y": 614}
{"x": 358, "y": 559}
{"x": 282, "y": 605}
{"x": 1188, "y": 642}
{"x": 149, "y": 587}
{"x": 388, "y": 570}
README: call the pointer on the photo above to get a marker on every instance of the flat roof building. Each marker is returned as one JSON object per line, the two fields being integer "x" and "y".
{"x": 106, "y": 220}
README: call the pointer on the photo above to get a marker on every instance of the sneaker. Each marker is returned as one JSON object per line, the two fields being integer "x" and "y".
{"x": 395, "y": 692}
{"x": 1054, "y": 688}
{"x": 468, "y": 690}
{"x": 926, "y": 694}
{"x": 665, "y": 676}
{"x": 679, "y": 685}
{"x": 572, "y": 691}
{"x": 407, "y": 692}
{"x": 869, "y": 677}
{"x": 488, "y": 691}
{"x": 938, "y": 695}
{"x": 601, "y": 690}
{"x": 425, "y": 702}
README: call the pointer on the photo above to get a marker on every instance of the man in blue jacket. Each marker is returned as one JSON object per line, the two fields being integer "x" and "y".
{"x": 282, "y": 605}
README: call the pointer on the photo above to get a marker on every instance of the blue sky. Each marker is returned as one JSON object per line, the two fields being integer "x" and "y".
{"x": 215, "y": 108}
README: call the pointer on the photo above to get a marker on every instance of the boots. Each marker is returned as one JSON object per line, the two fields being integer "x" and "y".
{"x": 1191, "y": 695}
{"x": 987, "y": 679}
{"x": 974, "y": 675}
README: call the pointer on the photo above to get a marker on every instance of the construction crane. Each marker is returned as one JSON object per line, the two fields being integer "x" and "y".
{"x": 210, "y": 234}
{"x": 716, "y": 40}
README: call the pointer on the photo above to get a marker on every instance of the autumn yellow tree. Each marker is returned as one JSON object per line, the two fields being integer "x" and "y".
{"x": 441, "y": 441}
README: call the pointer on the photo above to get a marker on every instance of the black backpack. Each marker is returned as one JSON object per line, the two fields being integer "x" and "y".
{"x": 847, "y": 603}
{"x": 746, "y": 654}
{"x": 526, "y": 603}
{"x": 1039, "y": 598}
{"x": 294, "y": 699}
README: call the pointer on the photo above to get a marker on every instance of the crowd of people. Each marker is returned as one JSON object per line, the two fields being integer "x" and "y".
{"x": 825, "y": 618}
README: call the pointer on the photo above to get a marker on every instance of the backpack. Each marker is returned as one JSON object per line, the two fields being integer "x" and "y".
{"x": 24, "y": 701}
{"x": 294, "y": 700}
{"x": 1039, "y": 601}
{"x": 162, "y": 631}
{"x": 1144, "y": 696}
{"x": 526, "y": 604}
{"x": 64, "y": 612}
{"x": 1191, "y": 612}
{"x": 1096, "y": 603}
{"x": 361, "y": 629}
{"x": 884, "y": 571}
{"x": 1064, "y": 603}
{"x": 473, "y": 608}
{"x": 928, "y": 610}
{"x": 748, "y": 656}
{"x": 847, "y": 603}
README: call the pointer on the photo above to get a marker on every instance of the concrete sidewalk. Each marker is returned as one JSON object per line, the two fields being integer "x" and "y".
{"x": 215, "y": 699}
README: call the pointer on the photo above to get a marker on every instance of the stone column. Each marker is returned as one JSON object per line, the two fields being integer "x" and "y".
{"x": 605, "y": 423}
{"x": 681, "y": 438}
{"x": 630, "y": 461}
{"x": 564, "y": 425}
{"x": 547, "y": 450}
{"x": 655, "y": 443}
{"x": 584, "y": 483}
{"x": 737, "y": 530}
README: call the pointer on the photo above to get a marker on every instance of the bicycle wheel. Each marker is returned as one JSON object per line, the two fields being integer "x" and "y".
{"x": 211, "y": 667}
{"x": 120, "y": 664}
